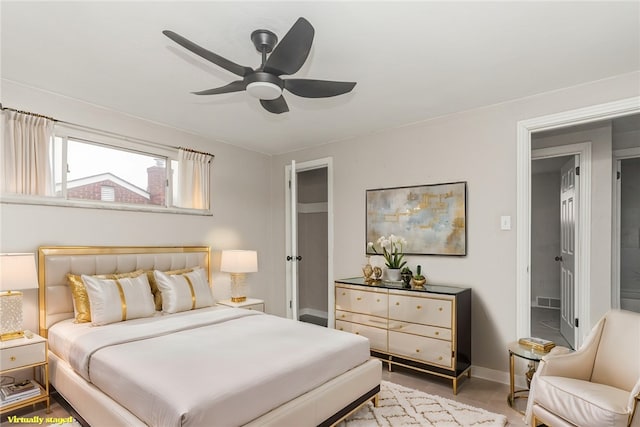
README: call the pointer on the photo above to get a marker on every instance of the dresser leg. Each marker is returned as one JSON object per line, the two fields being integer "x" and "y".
{"x": 376, "y": 400}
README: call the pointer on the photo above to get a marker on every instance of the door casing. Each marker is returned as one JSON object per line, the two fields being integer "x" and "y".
{"x": 326, "y": 162}
{"x": 523, "y": 209}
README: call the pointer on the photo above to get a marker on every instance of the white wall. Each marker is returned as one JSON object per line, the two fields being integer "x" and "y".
{"x": 477, "y": 146}
{"x": 240, "y": 200}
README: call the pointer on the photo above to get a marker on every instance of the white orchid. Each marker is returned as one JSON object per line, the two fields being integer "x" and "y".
{"x": 391, "y": 250}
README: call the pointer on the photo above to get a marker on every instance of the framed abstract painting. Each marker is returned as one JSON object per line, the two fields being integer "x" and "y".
{"x": 431, "y": 218}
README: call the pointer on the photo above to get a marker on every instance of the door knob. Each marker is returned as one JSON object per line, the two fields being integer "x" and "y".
{"x": 558, "y": 258}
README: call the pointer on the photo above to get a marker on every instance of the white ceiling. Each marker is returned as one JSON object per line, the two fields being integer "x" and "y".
{"x": 411, "y": 60}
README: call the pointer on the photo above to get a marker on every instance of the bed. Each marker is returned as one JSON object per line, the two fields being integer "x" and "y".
{"x": 204, "y": 365}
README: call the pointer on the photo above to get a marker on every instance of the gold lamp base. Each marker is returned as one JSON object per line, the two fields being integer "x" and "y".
{"x": 11, "y": 319}
{"x": 238, "y": 299}
{"x": 11, "y": 335}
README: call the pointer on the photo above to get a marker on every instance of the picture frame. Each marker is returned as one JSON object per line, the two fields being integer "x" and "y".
{"x": 432, "y": 218}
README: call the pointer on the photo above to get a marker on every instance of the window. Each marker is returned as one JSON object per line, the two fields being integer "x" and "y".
{"x": 110, "y": 174}
{"x": 97, "y": 169}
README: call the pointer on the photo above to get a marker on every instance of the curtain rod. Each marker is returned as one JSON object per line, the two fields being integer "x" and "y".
{"x": 191, "y": 150}
{"x": 27, "y": 112}
{"x": 155, "y": 144}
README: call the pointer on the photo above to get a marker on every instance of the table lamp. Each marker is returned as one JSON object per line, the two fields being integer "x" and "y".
{"x": 17, "y": 272}
{"x": 238, "y": 263}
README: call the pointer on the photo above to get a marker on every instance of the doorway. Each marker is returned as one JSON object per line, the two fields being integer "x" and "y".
{"x": 309, "y": 241}
{"x": 626, "y": 278}
{"x": 552, "y": 298}
{"x": 525, "y": 130}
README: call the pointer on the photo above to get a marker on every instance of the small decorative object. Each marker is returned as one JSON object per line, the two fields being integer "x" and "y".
{"x": 392, "y": 253}
{"x": 538, "y": 344}
{"x": 406, "y": 275}
{"x": 367, "y": 271}
{"x": 419, "y": 280}
{"x": 377, "y": 274}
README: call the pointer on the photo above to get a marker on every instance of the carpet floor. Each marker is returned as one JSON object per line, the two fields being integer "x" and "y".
{"x": 402, "y": 406}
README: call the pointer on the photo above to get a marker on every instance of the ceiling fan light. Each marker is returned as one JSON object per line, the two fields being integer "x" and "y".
{"x": 264, "y": 90}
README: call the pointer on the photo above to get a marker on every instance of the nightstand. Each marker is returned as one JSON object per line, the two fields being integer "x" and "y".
{"x": 249, "y": 304}
{"x": 25, "y": 353}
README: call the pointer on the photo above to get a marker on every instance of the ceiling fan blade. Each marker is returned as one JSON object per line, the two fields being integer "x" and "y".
{"x": 208, "y": 55}
{"x": 317, "y": 88}
{"x": 237, "y": 86}
{"x": 289, "y": 55}
{"x": 276, "y": 106}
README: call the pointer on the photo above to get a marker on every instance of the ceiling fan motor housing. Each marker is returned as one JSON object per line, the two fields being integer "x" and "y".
{"x": 263, "y": 85}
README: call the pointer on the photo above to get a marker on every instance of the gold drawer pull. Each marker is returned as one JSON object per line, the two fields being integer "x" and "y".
{"x": 343, "y": 315}
{"x": 437, "y": 333}
{"x": 12, "y": 358}
{"x": 357, "y": 333}
{"x": 417, "y": 350}
{"x": 358, "y": 299}
{"x": 419, "y": 307}
{"x": 342, "y": 329}
{"x": 344, "y": 293}
{"x": 439, "y": 308}
{"x": 398, "y": 303}
{"x": 440, "y": 358}
{"x": 378, "y": 300}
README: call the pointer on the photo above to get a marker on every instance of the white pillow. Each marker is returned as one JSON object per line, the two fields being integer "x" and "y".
{"x": 116, "y": 300}
{"x": 182, "y": 292}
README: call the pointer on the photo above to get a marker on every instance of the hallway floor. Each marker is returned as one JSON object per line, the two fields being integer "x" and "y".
{"x": 545, "y": 323}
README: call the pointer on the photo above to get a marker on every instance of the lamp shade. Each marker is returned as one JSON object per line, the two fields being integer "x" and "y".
{"x": 237, "y": 261}
{"x": 18, "y": 271}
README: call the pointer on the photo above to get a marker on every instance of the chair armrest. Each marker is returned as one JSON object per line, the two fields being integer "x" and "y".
{"x": 579, "y": 364}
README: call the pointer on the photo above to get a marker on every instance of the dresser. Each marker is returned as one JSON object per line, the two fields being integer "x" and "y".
{"x": 426, "y": 329}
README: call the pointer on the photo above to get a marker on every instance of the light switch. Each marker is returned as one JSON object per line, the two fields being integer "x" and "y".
{"x": 505, "y": 222}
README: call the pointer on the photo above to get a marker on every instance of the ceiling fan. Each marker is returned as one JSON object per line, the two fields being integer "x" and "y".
{"x": 264, "y": 83}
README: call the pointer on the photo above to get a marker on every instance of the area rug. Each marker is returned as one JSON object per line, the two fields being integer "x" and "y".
{"x": 401, "y": 406}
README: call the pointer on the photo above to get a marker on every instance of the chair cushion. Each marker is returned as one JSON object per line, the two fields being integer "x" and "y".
{"x": 583, "y": 403}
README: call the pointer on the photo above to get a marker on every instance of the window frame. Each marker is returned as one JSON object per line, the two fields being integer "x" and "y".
{"x": 111, "y": 141}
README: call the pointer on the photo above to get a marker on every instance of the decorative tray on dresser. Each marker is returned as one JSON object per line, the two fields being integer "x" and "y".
{"x": 427, "y": 329}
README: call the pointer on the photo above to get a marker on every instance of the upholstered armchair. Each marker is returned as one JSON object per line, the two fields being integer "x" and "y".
{"x": 596, "y": 386}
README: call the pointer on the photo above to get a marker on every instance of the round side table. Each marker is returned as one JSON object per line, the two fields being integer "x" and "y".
{"x": 524, "y": 352}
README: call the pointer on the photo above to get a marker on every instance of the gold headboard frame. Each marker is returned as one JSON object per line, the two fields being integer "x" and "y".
{"x": 103, "y": 260}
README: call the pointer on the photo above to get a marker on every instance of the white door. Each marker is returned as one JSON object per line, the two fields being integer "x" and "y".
{"x": 292, "y": 256}
{"x": 292, "y": 253}
{"x": 569, "y": 183}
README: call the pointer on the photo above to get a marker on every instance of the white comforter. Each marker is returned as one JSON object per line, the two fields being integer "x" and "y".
{"x": 211, "y": 367}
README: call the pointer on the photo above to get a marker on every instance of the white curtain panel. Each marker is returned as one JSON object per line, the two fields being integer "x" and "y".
{"x": 26, "y": 168}
{"x": 194, "y": 177}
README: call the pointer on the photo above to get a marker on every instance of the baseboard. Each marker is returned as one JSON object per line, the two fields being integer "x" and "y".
{"x": 497, "y": 376}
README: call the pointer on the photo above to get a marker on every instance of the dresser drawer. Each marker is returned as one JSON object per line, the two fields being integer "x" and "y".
{"x": 368, "y": 302}
{"x": 428, "y": 311}
{"x": 364, "y": 319}
{"x": 24, "y": 355}
{"x": 377, "y": 337}
{"x": 424, "y": 349}
{"x": 418, "y": 329}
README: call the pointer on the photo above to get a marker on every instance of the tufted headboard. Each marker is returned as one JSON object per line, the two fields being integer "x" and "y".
{"x": 55, "y": 262}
